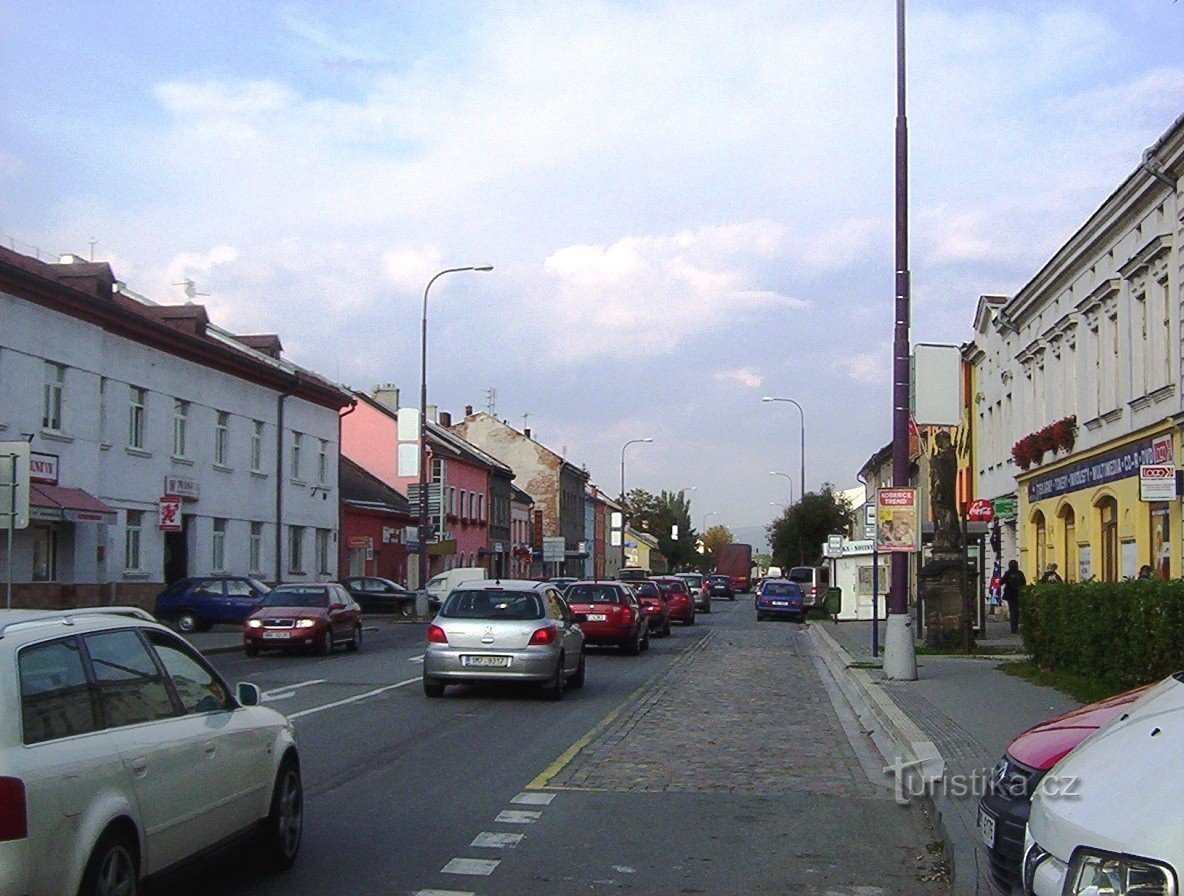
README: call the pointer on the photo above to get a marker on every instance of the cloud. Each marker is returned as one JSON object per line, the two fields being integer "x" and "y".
{"x": 744, "y": 376}
{"x": 870, "y": 368}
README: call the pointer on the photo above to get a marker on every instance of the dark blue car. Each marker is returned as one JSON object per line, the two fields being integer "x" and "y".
{"x": 198, "y": 602}
{"x": 780, "y": 597}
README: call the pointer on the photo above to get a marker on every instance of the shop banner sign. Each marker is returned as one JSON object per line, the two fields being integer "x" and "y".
{"x": 1110, "y": 467}
{"x": 896, "y": 516}
{"x": 1157, "y": 482}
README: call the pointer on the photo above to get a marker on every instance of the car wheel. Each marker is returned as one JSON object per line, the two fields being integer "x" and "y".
{"x": 280, "y": 837}
{"x": 632, "y": 647}
{"x": 355, "y": 643}
{"x": 187, "y": 622}
{"x": 556, "y": 687}
{"x": 251, "y": 650}
{"x": 645, "y": 641}
{"x": 691, "y": 621}
{"x": 666, "y": 628}
{"x": 432, "y": 688}
{"x": 407, "y": 609}
{"x": 577, "y": 680}
{"x": 760, "y": 617}
{"x": 325, "y": 647}
{"x": 111, "y": 870}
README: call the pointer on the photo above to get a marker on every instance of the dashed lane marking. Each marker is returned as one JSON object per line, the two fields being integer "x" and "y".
{"x": 497, "y": 841}
{"x": 283, "y": 693}
{"x": 480, "y": 867}
{"x": 444, "y": 893}
{"x": 353, "y": 699}
{"x": 514, "y": 816}
{"x": 533, "y": 799}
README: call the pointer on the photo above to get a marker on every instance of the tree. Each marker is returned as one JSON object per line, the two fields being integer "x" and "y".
{"x": 712, "y": 539}
{"x": 800, "y": 532}
{"x": 657, "y": 515}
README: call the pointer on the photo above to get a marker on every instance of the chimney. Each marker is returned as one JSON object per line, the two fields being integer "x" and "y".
{"x": 445, "y": 419}
{"x": 431, "y": 414}
{"x": 468, "y": 410}
{"x": 386, "y": 395}
{"x": 526, "y": 432}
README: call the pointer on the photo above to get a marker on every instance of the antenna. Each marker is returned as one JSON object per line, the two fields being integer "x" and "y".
{"x": 491, "y": 401}
{"x": 191, "y": 292}
{"x": 525, "y": 418}
{"x": 92, "y": 242}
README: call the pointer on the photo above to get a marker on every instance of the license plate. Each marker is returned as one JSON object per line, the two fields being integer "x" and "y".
{"x": 986, "y": 828}
{"x": 597, "y": 617}
{"x": 781, "y": 603}
{"x": 485, "y": 661}
{"x": 276, "y": 636}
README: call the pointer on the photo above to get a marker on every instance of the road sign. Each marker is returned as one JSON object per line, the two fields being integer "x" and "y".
{"x": 14, "y": 484}
{"x": 869, "y": 520}
{"x": 834, "y": 546}
{"x": 980, "y": 511}
{"x": 1157, "y": 482}
{"x": 554, "y": 549}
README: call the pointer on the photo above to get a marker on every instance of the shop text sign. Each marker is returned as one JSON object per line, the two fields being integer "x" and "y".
{"x": 1157, "y": 482}
{"x": 1099, "y": 470}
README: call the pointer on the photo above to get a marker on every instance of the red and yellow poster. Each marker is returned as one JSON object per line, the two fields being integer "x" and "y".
{"x": 896, "y": 519}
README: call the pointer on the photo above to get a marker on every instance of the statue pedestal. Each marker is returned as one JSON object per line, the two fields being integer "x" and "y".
{"x": 945, "y": 612}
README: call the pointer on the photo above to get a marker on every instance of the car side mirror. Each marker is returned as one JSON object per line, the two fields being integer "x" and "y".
{"x": 247, "y": 694}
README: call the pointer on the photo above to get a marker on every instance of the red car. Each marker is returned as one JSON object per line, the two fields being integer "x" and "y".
{"x": 317, "y": 616}
{"x": 615, "y": 618}
{"x": 654, "y": 603}
{"x": 678, "y": 598}
{"x": 1003, "y": 810}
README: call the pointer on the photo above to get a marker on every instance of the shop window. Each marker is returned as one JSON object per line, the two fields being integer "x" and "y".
{"x": 1041, "y": 542}
{"x": 1108, "y": 519}
{"x": 1160, "y": 540}
{"x": 45, "y": 554}
{"x": 1069, "y": 527}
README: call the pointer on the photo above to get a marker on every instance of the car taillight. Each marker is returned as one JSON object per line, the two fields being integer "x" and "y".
{"x": 542, "y": 637}
{"x": 627, "y": 613}
{"x": 14, "y": 819}
{"x": 436, "y": 635}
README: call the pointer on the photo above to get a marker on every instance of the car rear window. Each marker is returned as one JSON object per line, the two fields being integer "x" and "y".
{"x": 720, "y": 580}
{"x": 801, "y": 574}
{"x": 781, "y": 589}
{"x": 489, "y": 604}
{"x": 647, "y": 589}
{"x": 594, "y": 594}
{"x": 678, "y": 587}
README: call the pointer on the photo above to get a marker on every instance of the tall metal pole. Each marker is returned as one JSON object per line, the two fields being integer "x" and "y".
{"x": 624, "y": 506}
{"x": 900, "y": 657}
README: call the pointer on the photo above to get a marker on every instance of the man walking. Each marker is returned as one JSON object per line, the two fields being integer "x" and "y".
{"x": 1013, "y": 582}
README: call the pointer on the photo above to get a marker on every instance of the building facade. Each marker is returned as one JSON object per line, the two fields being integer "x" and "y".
{"x": 375, "y": 519}
{"x": 164, "y": 446}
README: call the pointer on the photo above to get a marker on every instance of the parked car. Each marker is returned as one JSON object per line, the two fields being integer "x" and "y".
{"x": 678, "y": 598}
{"x": 720, "y": 586}
{"x": 561, "y": 582}
{"x": 375, "y": 595}
{"x": 124, "y": 754}
{"x": 779, "y": 597}
{"x": 614, "y": 615}
{"x": 650, "y": 596}
{"x": 439, "y": 586}
{"x": 699, "y": 593}
{"x": 1109, "y": 817}
{"x": 633, "y": 573}
{"x": 315, "y": 615}
{"x": 1003, "y": 809}
{"x": 815, "y": 580}
{"x": 196, "y": 603}
{"x": 505, "y": 631}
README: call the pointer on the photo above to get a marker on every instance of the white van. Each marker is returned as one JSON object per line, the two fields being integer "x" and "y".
{"x": 440, "y": 585}
{"x": 814, "y": 581}
{"x": 1109, "y": 817}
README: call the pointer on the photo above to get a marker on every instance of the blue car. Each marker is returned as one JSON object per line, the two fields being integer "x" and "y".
{"x": 198, "y": 602}
{"x": 780, "y": 597}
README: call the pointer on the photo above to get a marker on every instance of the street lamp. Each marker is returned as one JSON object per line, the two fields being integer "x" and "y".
{"x": 623, "y": 447}
{"x": 802, "y": 490}
{"x": 423, "y": 427}
{"x": 705, "y": 516}
{"x": 787, "y": 476}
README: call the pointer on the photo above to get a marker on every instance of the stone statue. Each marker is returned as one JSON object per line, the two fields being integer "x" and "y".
{"x": 943, "y": 473}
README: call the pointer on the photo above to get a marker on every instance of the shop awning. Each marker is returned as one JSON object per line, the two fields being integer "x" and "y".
{"x": 54, "y": 503}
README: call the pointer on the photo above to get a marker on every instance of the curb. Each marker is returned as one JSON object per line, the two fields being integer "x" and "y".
{"x": 898, "y": 738}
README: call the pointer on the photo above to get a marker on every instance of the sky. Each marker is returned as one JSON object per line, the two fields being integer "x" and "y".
{"x": 688, "y": 205}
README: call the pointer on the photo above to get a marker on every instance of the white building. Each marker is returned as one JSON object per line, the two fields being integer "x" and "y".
{"x": 126, "y": 402}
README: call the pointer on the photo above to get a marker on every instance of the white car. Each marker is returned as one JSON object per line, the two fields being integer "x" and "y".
{"x": 1109, "y": 817}
{"x": 124, "y": 754}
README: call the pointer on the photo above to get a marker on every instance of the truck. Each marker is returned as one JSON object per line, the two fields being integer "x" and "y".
{"x": 735, "y": 561}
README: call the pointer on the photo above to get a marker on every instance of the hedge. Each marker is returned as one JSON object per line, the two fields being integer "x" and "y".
{"x": 1121, "y": 633}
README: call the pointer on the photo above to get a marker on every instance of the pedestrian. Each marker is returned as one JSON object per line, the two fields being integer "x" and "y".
{"x": 1145, "y": 572}
{"x": 1014, "y": 581}
{"x": 1051, "y": 575}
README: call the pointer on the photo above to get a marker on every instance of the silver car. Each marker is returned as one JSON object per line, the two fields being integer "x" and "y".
{"x": 505, "y": 631}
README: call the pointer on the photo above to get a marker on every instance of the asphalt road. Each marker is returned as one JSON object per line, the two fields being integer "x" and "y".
{"x": 713, "y": 764}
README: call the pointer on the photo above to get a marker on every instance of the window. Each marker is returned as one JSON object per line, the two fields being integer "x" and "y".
{"x": 222, "y": 439}
{"x": 297, "y": 439}
{"x": 1041, "y": 541}
{"x": 481, "y": 508}
{"x": 180, "y": 426}
{"x": 451, "y": 501}
{"x": 197, "y": 687}
{"x": 1108, "y": 517}
{"x": 218, "y": 557}
{"x": 55, "y": 383}
{"x": 296, "y": 549}
{"x": 135, "y": 417}
{"x": 323, "y": 463}
{"x": 463, "y": 512}
{"x": 1069, "y": 522}
{"x": 131, "y": 540}
{"x": 56, "y": 700}
{"x": 131, "y": 688}
{"x": 45, "y": 554}
{"x": 257, "y": 446}
{"x": 322, "y": 550}
{"x": 255, "y": 550}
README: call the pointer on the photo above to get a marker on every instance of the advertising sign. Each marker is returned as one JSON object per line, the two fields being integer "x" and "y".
{"x": 896, "y": 519}
{"x": 170, "y": 513}
{"x": 1109, "y": 467}
{"x": 1157, "y": 482}
{"x": 981, "y": 511}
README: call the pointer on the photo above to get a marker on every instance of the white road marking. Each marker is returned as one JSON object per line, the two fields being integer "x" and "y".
{"x": 533, "y": 799}
{"x": 512, "y": 816}
{"x": 483, "y": 867}
{"x": 353, "y": 699}
{"x": 282, "y": 693}
{"x": 497, "y": 841}
{"x": 624, "y": 869}
{"x": 444, "y": 893}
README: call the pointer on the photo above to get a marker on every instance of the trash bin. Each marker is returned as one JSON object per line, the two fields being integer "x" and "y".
{"x": 834, "y": 602}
